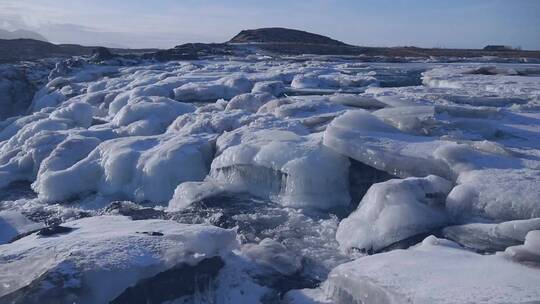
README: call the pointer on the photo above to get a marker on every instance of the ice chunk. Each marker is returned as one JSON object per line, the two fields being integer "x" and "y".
{"x": 364, "y": 137}
{"x": 393, "y": 211}
{"x": 336, "y": 80}
{"x": 491, "y": 237}
{"x": 14, "y": 223}
{"x": 358, "y": 101}
{"x": 121, "y": 99}
{"x": 414, "y": 119}
{"x": 293, "y": 170}
{"x": 97, "y": 258}
{"x": 273, "y": 255}
{"x": 492, "y": 182}
{"x": 306, "y": 296}
{"x": 80, "y": 113}
{"x": 188, "y": 193}
{"x": 226, "y": 87}
{"x": 135, "y": 168}
{"x": 275, "y": 88}
{"x": 497, "y": 193}
{"x": 249, "y": 102}
{"x": 510, "y": 88}
{"x": 149, "y": 115}
{"x": 210, "y": 122}
{"x": 528, "y": 252}
{"x": 437, "y": 271}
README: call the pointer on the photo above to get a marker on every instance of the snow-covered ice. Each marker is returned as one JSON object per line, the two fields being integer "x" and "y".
{"x": 101, "y": 256}
{"x": 314, "y": 161}
{"x": 435, "y": 271}
{"x": 395, "y": 210}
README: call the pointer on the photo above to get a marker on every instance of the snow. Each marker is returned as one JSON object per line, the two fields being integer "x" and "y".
{"x": 490, "y": 236}
{"x": 529, "y": 252}
{"x": 437, "y": 271}
{"x": 315, "y": 159}
{"x": 149, "y": 115}
{"x": 136, "y": 168}
{"x": 393, "y": 211}
{"x": 249, "y": 102}
{"x": 283, "y": 166}
{"x": 273, "y": 255}
{"x": 102, "y": 256}
{"x": 275, "y": 88}
{"x": 226, "y": 87}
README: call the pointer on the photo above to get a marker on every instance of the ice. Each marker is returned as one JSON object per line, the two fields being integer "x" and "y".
{"x": 314, "y": 81}
{"x": 393, "y": 211}
{"x": 273, "y": 255}
{"x": 282, "y": 148}
{"x": 275, "y": 88}
{"x": 283, "y": 166}
{"x": 411, "y": 119}
{"x": 13, "y": 223}
{"x": 491, "y": 237}
{"x": 209, "y": 122}
{"x": 306, "y": 296}
{"x": 226, "y": 87}
{"x": 491, "y": 181}
{"x": 364, "y": 137}
{"x": 249, "y": 102}
{"x": 98, "y": 257}
{"x": 474, "y": 79}
{"x": 436, "y": 271}
{"x": 149, "y": 115}
{"x": 136, "y": 168}
{"x": 529, "y": 252}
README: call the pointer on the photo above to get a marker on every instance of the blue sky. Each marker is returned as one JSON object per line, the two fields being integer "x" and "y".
{"x": 165, "y": 23}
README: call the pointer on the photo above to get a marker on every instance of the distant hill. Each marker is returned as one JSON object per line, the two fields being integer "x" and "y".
{"x": 12, "y": 50}
{"x": 283, "y": 35}
{"x": 21, "y": 34}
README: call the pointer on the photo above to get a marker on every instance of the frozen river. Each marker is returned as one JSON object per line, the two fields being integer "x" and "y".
{"x": 270, "y": 180}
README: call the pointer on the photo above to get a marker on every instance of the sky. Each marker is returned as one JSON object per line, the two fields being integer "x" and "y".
{"x": 166, "y": 23}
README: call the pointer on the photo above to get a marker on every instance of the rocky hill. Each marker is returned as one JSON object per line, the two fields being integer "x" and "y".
{"x": 282, "y": 35}
{"x": 21, "y": 34}
{"x": 13, "y": 50}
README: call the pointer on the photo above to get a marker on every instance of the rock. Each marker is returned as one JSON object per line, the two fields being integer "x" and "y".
{"x": 103, "y": 256}
{"x": 101, "y": 54}
{"x": 436, "y": 271}
{"x": 181, "y": 280}
{"x": 282, "y": 35}
{"x": 53, "y": 230}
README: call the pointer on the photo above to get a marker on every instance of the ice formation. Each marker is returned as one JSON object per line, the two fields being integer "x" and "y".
{"x": 308, "y": 158}
{"x": 437, "y": 270}
{"x": 98, "y": 257}
{"x": 395, "y": 210}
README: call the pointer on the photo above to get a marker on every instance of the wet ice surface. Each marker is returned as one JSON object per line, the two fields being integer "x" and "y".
{"x": 311, "y": 163}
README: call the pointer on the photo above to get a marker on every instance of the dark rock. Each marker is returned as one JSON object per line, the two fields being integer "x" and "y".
{"x": 135, "y": 211}
{"x": 282, "y": 35}
{"x": 14, "y": 50}
{"x": 16, "y": 92}
{"x": 101, "y": 54}
{"x": 53, "y": 230}
{"x": 182, "y": 280}
{"x": 65, "y": 67}
{"x": 151, "y": 233}
{"x": 361, "y": 177}
{"x": 191, "y": 51}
